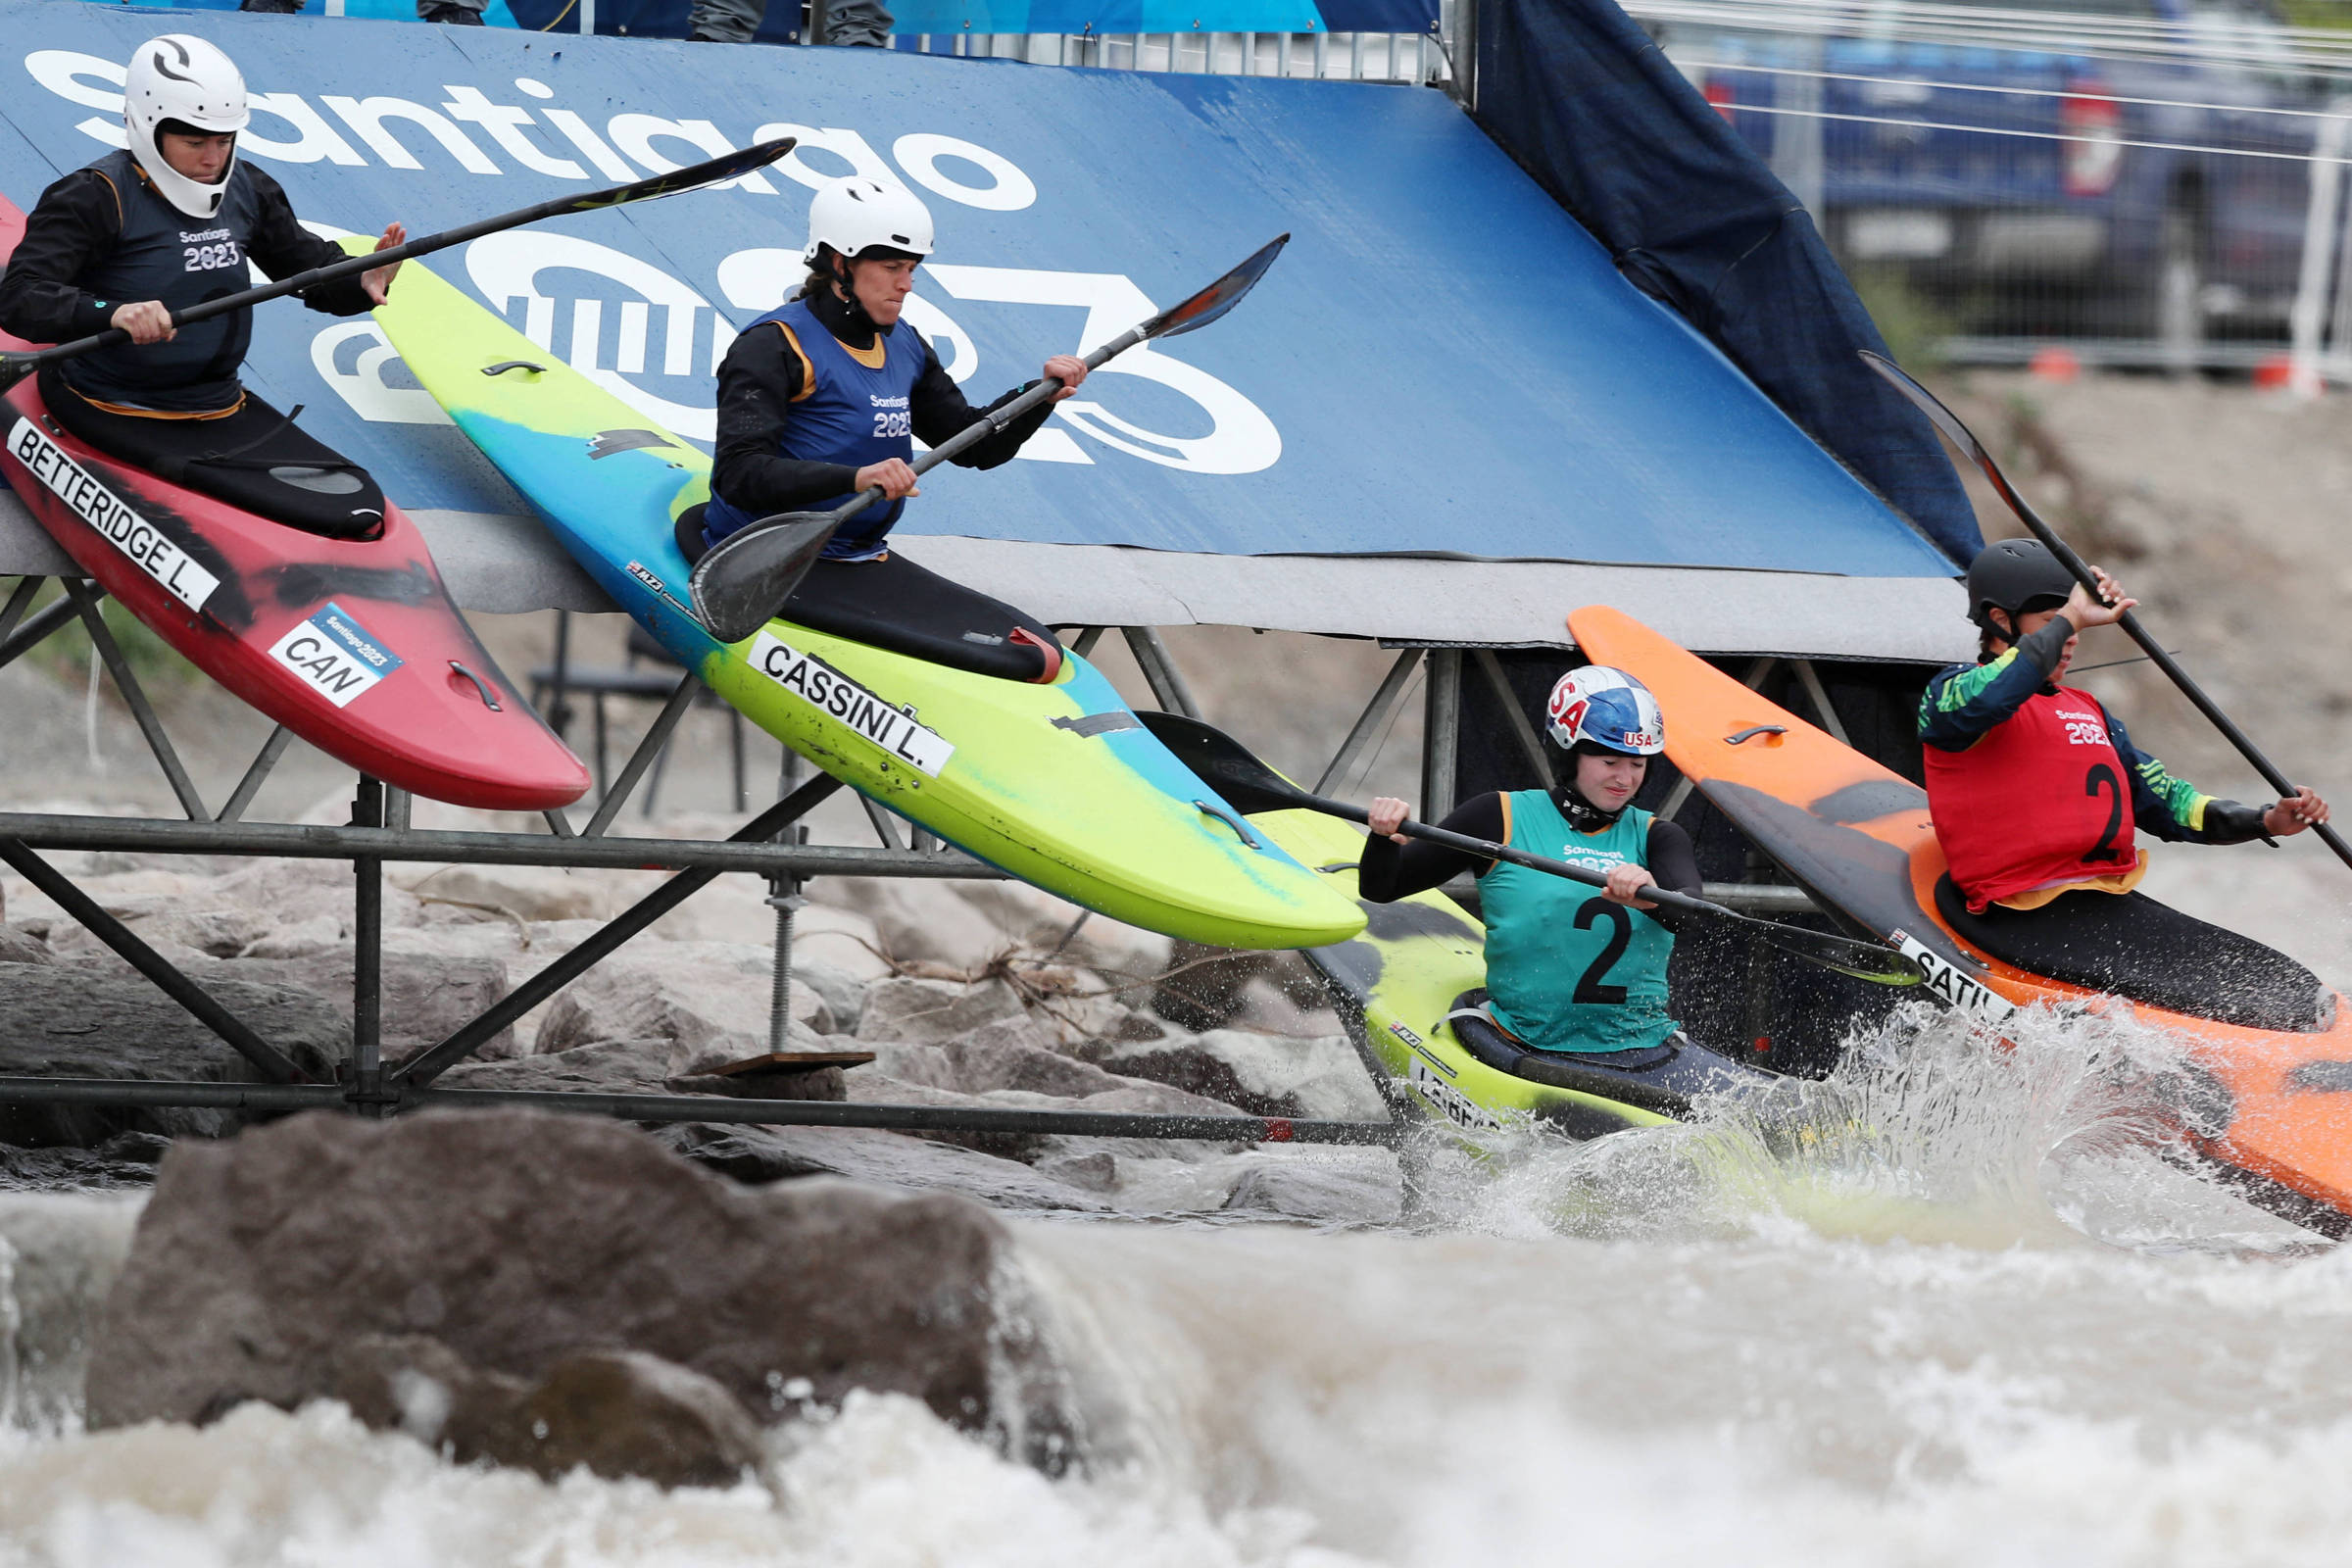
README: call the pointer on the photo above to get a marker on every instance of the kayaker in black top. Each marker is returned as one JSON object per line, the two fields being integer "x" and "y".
{"x": 165, "y": 224}
{"x": 825, "y": 397}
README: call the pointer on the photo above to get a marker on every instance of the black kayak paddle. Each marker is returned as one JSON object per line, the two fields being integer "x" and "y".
{"x": 1250, "y": 786}
{"x": 15, "y": 367}
{"x": 1945, "y": 420}
{"x": 747, "y": 576}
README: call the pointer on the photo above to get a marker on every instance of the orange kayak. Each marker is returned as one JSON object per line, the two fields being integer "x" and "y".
{"x": 1859, "y": 839}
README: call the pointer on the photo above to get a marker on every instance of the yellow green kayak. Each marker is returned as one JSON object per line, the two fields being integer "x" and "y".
{"x": 1056, "y": 784}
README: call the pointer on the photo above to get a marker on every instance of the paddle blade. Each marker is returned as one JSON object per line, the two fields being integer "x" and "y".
{"x": 745, "y": 579}
{"x": 1862, "y": 960}
{"x": 1220, "y": 297}
{"x": 1221, "y": 762}
{"x": 727, "y": 165}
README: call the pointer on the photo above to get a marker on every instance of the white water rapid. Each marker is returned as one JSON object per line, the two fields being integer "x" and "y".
{"x": 1952, "y": 1308}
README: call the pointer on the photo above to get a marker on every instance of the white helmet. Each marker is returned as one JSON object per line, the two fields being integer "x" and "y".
{"x": 859, "y": 214}
{"x": 178, "y": 76}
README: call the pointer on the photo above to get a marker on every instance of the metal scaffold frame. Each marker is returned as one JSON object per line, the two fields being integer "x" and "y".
{"x": 771, "y": 845}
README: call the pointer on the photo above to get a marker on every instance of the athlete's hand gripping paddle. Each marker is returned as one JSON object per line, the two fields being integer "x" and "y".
{"x": 1945, "y": 420}
{"x": 1249, "y": 785}
{"x": 747, "y": 576}
{"x": 15, "y": 367}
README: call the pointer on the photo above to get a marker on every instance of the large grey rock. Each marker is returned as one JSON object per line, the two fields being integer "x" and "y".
{"x": 1266, "y": 1075}
{"x": 519, "y": 1240}
{"x": 23, "y": 947}
{"x": 424, "y": 1000}
{"x": 79, "y": 1021}
{"x": 125, "y": 1161}
{"x": 927, "y": 1011}
{"x": 710, "y": 999}
{"x": 618, "y": 1412}
{"x": 760, "y": 1154}
{"x": 615, "y": 1067}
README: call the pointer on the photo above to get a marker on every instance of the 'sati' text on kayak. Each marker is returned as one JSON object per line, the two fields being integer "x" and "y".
{"x": 129, "y": 532}
{"x": 830, "y": 692}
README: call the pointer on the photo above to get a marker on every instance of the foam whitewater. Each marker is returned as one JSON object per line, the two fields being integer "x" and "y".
{"x": 1953, "y": 1305}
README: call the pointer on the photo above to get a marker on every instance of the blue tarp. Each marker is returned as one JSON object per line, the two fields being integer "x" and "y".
{"x": 1595, "y": 110}
{"x": 1442, "y": 362}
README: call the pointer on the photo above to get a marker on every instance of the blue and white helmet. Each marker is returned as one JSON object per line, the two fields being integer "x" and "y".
{"x": 1603, "y": 707}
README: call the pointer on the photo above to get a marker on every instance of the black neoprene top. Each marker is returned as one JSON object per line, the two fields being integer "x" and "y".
{"x": 761, "y": 376}
{"x": 1391, "y": 870}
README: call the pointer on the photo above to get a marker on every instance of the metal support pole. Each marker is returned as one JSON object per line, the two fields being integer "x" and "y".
{"x": 682, "y": 698}
{"x": 17, "y": 603}
{"x": 367, "y": 959}
{"x": 1810, "y": 678}
{"x": 1375, "y": 714}
{"x": 85, "y": 604}
{"x": 558, "y": 823}
{"x": 783, "y": 897}
{"x": 1159, "y": 670}
{"x": 1084, "y": 647}
{"x": 430, "y": 1063}
{"x": 880, "y": 820}
{"x": 558, "y": 706}
{"x": 61, "y": 890}
{"x": 1441, "y": 737}
{"x": 251, "y": 784}
{"x": 34, "y": 631}
{"x": 1516, "y": 712}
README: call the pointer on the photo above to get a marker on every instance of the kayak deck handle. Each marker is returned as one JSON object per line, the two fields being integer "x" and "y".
{"x": 1231, "y": 821}
{"x": 1754, "y": 730}
{"x": 481, "y": 686}
{"x": 503, "y": 365}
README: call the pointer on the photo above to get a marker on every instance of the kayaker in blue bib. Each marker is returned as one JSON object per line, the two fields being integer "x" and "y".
{"x": 825, "y": 397}
{"x": 1569, "y": 968}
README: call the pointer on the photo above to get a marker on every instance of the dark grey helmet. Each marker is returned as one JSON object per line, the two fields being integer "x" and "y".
{"x": 2015, "y": 575}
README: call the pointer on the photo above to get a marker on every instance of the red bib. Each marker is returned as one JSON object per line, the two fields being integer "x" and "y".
{"x": 2039, "y": 802}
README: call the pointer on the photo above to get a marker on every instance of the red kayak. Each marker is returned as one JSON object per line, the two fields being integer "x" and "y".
{"x": 355, "y": 647}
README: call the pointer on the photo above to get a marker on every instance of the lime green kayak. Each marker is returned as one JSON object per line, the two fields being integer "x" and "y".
{"x": 1055, "y": 784}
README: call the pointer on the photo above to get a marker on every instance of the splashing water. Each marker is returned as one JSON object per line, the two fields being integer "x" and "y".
{"x": 1952, "y": 1305}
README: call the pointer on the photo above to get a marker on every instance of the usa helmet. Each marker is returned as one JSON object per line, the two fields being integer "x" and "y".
{"x": 1602, "y": 708}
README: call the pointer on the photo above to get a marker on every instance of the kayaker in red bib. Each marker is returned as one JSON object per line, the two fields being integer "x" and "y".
{"x": 170, "y": 222}
{"x": 2037, "y": 791}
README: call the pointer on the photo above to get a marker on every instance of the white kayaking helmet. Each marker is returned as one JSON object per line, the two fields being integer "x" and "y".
{"x": 858, "y": 215}
{"x": 181, "y": 77}
{"x": 1601, "y": 708}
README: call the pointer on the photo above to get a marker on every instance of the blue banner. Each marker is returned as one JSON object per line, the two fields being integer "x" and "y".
{"x": 1442, "y": 363}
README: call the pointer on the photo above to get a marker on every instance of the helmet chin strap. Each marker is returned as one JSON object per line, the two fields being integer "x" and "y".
{"x": 1583, "y": 814}
{"x": 845, "y": 284}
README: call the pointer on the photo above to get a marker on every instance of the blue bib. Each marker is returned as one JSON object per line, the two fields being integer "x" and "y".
{"x": 1567, "y": 969}
{"x": 850, "y": 413}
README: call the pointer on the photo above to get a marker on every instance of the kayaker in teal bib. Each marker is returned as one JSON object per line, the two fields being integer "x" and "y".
{"x": 1569, "y": 968}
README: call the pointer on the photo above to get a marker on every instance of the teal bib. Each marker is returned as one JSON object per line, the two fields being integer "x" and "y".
{"x": 1567, "y": 969}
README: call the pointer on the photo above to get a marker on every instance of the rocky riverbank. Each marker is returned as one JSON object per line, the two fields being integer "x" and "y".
{"x": 941, "y": 994}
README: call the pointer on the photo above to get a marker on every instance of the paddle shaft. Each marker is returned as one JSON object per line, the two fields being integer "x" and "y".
{"x": 988, "y": 424}
{"x": 1488, "y": 850}
{"x": 15, "y": 366}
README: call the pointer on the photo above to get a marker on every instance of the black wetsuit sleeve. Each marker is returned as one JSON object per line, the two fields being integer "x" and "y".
{"x": 941, "y": 410}
{"x": 757, "y": 381}
{"x": 1674, "y": 864}
{"x": 282, "y": 247}
{"x": 74, "y": 224}
{"x": 1391, "y": 870}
